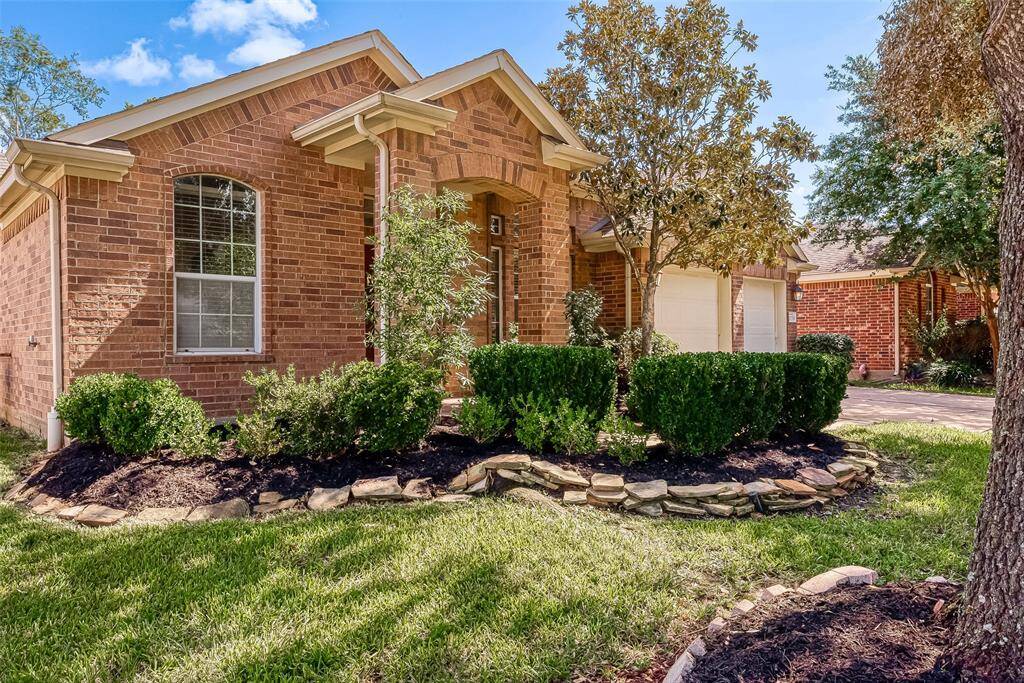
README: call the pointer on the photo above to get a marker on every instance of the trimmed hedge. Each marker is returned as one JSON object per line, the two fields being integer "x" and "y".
{"x": 507, "y": 373}
{"x": 814, "y": 389}
{"x": 832, "y": 343}
{"x": 135, "y": 416}
{"x": 699, "y": 403}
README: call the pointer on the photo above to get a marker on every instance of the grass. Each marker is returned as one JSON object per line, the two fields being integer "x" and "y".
{"x": 927, "y": 388}
{"x": 487, "y": 591}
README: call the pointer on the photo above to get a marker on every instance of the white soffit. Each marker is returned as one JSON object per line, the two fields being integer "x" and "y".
{"x": 137, "y": 120}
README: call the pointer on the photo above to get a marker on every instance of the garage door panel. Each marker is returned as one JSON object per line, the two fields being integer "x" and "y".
{"x": 760, "y": 315}
{"x": 686, "y": 310}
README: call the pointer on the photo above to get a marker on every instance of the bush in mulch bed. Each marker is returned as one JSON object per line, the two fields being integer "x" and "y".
{"x": 859, "y": 634}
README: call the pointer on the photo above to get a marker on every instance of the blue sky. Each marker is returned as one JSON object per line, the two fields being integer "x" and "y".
{"x": 142, "y": 49}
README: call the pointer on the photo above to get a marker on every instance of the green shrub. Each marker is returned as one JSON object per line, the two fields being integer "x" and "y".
{"x": 627, "y": 442}
{"x": 762, "y": 376}
{"x": 953, "y": 374}
{"x": 258, "y": 435}
{"x": 183, "y": 424}
{"x": 533, "y": 422}
{"x": 83, "y": 405}
{"x": 626, "y": 348}
{"x": 584, "y": 376}
{"x": 582, "y": 309}
{"x": 396, "y": 405}
{"x": 572, "y": 430}
{"x": 815, "y": 384}
{"x": 834, "y": 344}
{"x": 312, "y": 416}
{"x": 479, "y": 418}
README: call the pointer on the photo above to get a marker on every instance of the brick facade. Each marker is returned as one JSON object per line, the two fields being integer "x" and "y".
{"x": 864, "y": 310}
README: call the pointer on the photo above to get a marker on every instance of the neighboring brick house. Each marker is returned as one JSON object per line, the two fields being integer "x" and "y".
{"x": 855, "y": 292}
{"x": 224, "y": 228}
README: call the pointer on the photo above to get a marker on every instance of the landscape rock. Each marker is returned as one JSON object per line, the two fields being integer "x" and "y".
{"x": 278, "y": 506}
{"x": 573, "y": 497}
{"x": 772, "y": 592}
{"x": 606, "y": 482}
{"x": 697, "y": 492}
{"x": 475, "y": 473}
{"x": 479, "y": 487}
{"x": 417, "y": 489}
{"x": 838, "y": 469}
{"x": 606, "y": 498}
{"x": 682, "y": 508}
{"x": 558, "y": 475}
{"x": 816, "y": 478}
{"x": 648, "y": 490}
{"x": 459, "y": 482}
{"x": 534, "y": 497}
{"x": 376, "y": 489}
{"x": 761, "y": 488}
{"x": 851, "y": 575}
{"x": 510, "y": 475}
{"x": 328, "y": 499}
{"x": 43, "y": 504}
{"x": 697, "y": 648}
{"x": 68, "y": 514}
{"x": 507, "y": 461}
{"x": 744, "y": 509}
{"x": 100, "y": 515}
{"x": 789, "y": 504}
{"x": 681, "y": 669}
{"x": 531, "y": 478}
{"x": 163, "y": 514}
{"x": 269, "y": 497}
{"x": 740, "y": 608}
{"x": 795, "y": 488}
{"x": 229, "y": 509}
{"x": 15, "y": 491}
{"x": 856, "y": 575}
{"x": 649, "y": 509}
{"x": 453, "y": 498}
{"x": 717, "y": 625}
{"x": 719, "y": 509}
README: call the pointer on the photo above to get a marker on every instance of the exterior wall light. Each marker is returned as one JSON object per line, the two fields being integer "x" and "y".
{"x": 798, "y": 292}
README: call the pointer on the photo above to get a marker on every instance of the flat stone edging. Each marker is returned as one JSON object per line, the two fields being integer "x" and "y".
{"x": 522, "y": 477}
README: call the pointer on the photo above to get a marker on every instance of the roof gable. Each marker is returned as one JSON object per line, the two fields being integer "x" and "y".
{"x": 165, "y": 110}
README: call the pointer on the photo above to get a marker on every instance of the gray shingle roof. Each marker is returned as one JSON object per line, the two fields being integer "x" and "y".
{"x": 839, "y": 257}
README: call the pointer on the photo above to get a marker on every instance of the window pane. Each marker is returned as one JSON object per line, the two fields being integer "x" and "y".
{"x": 242, "y": 294}
{"x": 216, "y": 258}
{"x": 242, "y": 332}
{"x": 186, "y": 190}
{"x": 216, "y": 192}
{"x": 188, "y": 295}
{"x": 188, "y": 331}
{"x": 216, "y": 331}
{"x": 244, "y": 197}
{"x": 186, "y": 256}
{"x": 216, "y": 225}
{"x": 216, "y": 297}
{"x": 245, "y": 228}
{"x": 186, "y": 222}
{"x": 245, "y": 261}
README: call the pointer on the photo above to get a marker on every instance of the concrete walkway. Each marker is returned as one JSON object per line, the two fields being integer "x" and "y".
{"x": 864, "y": 405}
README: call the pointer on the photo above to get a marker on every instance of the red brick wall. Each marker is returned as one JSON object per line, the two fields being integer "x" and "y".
{"x": 120, "y": 252}
{"x": 25, "y": 370}
{"x": 967, "y": 306}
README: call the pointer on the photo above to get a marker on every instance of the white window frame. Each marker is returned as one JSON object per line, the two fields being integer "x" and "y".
{"x": 257, "y": 322}
{"x": 499, "y": 272}
{"x": 496, "y": 221}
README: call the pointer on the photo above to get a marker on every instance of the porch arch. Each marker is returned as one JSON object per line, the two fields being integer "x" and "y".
{"x": 482, "y": 172}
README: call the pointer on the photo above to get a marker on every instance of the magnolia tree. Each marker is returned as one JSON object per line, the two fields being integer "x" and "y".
{"x": 689, "y": 177}
{"x": 938, "y": 203}
{"x": 949, "y": 68}
{"x": 428, "y": 283}
{"x": 36, "y": 87}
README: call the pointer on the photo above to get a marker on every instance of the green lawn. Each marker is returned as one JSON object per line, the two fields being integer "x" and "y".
{"x": 488, "y": 591}
{"x": 927, "y": 388}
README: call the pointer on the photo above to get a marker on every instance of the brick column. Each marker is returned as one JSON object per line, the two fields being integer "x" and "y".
{"x": 545, "y": 244}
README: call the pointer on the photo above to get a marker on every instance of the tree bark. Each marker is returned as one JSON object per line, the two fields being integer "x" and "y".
{"x": 647, "y": 312}
{"x": 989, "y": 640}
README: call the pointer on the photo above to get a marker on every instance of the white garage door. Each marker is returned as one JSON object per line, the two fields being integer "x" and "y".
{"x": 686, "y": 309}
{"x": 760, "y": 315}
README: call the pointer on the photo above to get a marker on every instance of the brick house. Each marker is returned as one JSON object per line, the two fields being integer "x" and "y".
{"x": 224, "y": 228}
{"x": 857, "y": 293}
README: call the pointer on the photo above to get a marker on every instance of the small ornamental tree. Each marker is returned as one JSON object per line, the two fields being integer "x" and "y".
{"x": 428, "y": 283}
{"x": 689, "y": 176}
{"x": 582, "y": 309}
{"x": 36, "y": 87}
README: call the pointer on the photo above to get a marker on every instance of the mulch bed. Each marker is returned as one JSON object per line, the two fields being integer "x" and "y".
{"x": 85, "y": 473}
{"x": 856, "y": 634}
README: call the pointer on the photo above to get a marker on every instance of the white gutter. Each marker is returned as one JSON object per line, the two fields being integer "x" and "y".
{"x": 629, "y": 294}
{"x": 896, "y": 327}
{"x": 54, "y": 428}
{"x": 384, "y": 191}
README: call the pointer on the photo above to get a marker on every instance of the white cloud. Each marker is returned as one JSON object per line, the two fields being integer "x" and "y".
{"x": 195, "y": 69}
{"x": 268, "y": 25}
{"x": 137, "y": 66}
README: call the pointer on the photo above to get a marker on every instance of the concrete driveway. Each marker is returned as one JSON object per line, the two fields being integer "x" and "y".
{"x": 864, "y": 405}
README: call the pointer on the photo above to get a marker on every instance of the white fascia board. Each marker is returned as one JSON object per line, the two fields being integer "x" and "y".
{"x": 568, "y": 158}
{"x": 500, "y": 66}
{"x": 400, "y": 110}
{"x": 879, "y": 274}
{"x": 161, "y": 112}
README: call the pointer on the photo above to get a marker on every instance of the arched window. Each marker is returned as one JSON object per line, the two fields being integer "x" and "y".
{"x": 216, "y": 266}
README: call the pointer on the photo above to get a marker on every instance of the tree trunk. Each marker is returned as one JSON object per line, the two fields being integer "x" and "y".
{"x": 989, "y": 307}
{"x": 989, "y": 640}
{"x": 647, "y": 314}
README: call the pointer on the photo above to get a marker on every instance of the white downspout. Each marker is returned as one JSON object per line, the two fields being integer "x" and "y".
{"x": 896, "y": 327}
{"x": 629, "y": 294}
{"x": 384, "y": 191}
{"x": 54, "y": 428}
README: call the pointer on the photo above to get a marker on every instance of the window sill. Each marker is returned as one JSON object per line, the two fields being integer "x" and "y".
{"x": 217, "y": 358}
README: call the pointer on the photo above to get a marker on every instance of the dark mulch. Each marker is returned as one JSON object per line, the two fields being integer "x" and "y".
{"x": 89, "y": 474}
{"x": 859, "y": 634}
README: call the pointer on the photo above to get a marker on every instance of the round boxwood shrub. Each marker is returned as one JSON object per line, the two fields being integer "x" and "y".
{"x": 83, "y": 405}
{"x": 834, "y": 344}
{"x": 506, "y": 373}
{"x": 815, "y": 384}
{"x": 395, "y": 405}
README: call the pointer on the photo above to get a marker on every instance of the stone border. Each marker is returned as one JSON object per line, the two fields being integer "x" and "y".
{"x": 851, "y": 575}
{"x": 520, "y": 476}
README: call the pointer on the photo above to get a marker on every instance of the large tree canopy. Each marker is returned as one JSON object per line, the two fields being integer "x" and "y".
{"x": 36, "y": 87}
{"x": 939, "y": 203}
{"x": 690, "y": 177}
